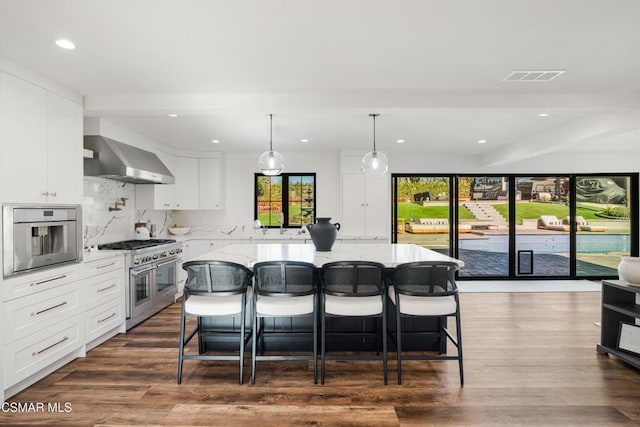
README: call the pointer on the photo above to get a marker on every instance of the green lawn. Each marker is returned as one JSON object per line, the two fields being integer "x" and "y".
{"x": 533, "y": 210}
{"x": 413, "y": 210}
{"x": 267, "y": 219}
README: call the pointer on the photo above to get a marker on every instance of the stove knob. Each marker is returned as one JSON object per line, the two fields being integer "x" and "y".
{"x": 136, "y": 261}
{"x": 172, "y": 251}
{"x": 155, "y": 256}
{"x": 179, "y": 250}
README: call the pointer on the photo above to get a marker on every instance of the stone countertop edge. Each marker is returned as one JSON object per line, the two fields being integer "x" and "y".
{"x": 98, "y": 255}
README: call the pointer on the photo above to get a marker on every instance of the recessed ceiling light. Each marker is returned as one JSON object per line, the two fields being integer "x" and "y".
{"x": 543, "y": 114}
{"x": 400, "y": 141}
{"x": 482, "y": 141}
{"x": 65, "y": 44}
{"x": 173, "y": 115}
{"x": 304, "y": 140}
{"x": 215, "y": 141}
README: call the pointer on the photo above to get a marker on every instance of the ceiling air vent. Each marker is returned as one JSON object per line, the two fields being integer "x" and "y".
{"x": 533, "y": 75}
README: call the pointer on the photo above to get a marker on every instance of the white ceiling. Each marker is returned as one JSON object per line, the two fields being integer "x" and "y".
{"x": 432, "y": 69}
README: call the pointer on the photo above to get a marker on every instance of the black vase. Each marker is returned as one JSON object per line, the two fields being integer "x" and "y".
{"x": 323, "y": 233}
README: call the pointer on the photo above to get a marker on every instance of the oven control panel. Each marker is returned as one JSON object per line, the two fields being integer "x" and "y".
{"x": 155, "y": 256}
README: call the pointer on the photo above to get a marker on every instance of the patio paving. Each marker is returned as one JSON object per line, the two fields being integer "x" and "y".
{"x": 480, "y": 263}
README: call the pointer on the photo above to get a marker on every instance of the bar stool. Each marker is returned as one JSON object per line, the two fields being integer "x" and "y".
{"x": 214, "y": 288}
{"x": 284, "y": 289}
{"x": 355, "y": 289}
{"x": 427, "y": 289}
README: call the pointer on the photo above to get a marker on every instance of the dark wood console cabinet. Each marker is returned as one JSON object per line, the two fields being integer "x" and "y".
{"x": 618, "y": 306}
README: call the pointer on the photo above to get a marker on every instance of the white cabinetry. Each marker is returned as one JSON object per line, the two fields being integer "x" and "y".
{"x": 104, "y": 288}
{"x": 365, "y": 206}
{"x": 210, "y": 183}
{"x": 40, "y": 144}
{"x": 42, "y": 324}
{"x": 197, "y": 185}
{"x": 158, "y": 196}
{"x": 186, "y": 173}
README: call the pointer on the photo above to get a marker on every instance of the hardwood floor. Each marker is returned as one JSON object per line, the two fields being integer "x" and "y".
{"x": 530, "y": 359}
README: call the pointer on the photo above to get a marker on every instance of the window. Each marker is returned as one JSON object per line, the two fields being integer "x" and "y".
{"x": 288, "y": 199}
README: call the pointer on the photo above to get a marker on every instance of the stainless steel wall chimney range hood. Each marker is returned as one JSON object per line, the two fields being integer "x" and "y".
{"x": 122, "y": 162}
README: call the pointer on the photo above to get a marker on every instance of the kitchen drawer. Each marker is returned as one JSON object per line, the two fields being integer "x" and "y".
{"x": 29, "y": 284}
{"x": 100, "y": 266}
{"x": 28, "y": 355}
{"x": 101, "y": 288}
{"x": 104, "y": 318}
{"x": 24, "y": 316}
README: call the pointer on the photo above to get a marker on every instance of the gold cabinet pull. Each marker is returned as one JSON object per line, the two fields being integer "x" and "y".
{"x": 105, "y": 265}
{"x": 35, "y": 353}
{"x": 46, "y": 193}
{"x": 107, "y": 288}
{"x": 48, "y": 280}
{"x": 35, "y": 313}
{"x": 107, "y": 318}
{"x": 54, "y": 194}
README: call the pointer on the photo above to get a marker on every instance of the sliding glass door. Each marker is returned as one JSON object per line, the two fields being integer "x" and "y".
{"x": 422, "y": 211}
{"x": 483, "y": 225}
{"x": 542, "y": 231}
{"x": 521, "y": 226}
{"x": 603, "y": 223}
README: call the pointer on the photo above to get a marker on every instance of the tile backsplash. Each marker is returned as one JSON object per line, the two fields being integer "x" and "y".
{"x": 101, "y": 225}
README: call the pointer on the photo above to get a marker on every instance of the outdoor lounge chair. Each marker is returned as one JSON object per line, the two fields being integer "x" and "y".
{"x": 428, "y": 225}
{"x": 550, "y": 222}
{"x": 583, "y": 225}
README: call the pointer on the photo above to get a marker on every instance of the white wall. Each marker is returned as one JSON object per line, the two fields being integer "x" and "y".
{"x": 554, "y": 163}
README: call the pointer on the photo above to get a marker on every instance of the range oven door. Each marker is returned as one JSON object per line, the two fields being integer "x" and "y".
{"x": 166, "y": 283}
{"x": 141, "y": 283}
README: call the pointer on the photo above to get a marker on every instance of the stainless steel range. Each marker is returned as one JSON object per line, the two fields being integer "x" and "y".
{"x": 152, "y": 270}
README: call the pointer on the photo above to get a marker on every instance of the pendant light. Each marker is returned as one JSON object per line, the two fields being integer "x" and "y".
{"x": 375, "y": 162}
{"x": 271, "y": 162}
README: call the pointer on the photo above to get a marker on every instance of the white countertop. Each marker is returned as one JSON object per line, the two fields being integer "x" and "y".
{"x": 95, "y": 255}
{"x": 388, "y": 254}
{"x": 256, "y": 235}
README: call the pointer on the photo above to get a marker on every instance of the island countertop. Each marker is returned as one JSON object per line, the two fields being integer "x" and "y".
{"x": 388, "y": 254}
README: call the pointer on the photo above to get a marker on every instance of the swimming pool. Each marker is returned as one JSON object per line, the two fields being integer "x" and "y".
{"x": 549, "y": 244}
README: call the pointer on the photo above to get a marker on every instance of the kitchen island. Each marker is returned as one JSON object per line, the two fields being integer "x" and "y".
{"x": 348, "y": 334}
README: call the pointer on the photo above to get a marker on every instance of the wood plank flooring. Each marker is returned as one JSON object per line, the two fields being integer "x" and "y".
{"x": 530, "y": 359}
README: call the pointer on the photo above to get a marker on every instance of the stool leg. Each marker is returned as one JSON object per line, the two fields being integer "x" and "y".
{"x": 242, "y": 322}
{"x": 254, "y": 342}
{"x": 322, "y": 344}
{"x": 315, "y": 339}
{"x": 399, "y": 340}
{"x": 459, "y": 336}
{"x": 384, "y": 338}
{"x": 181, "y": 352}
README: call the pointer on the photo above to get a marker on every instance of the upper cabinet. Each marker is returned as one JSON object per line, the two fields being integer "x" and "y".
{"x": 365, "y": 202}
{"x": 210, "y": 183}
{"x": 198, "y": 184}
{"x": 40, "y": 144}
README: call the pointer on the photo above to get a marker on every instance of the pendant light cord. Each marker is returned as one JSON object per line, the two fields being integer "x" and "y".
{"x": 271, "y": 132}
{"x": 374, "y": 130}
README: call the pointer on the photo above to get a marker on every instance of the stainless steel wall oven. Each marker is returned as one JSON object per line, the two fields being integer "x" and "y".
{"x": 36, "y": 237}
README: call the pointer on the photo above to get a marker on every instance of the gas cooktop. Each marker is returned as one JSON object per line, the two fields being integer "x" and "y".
{"x": 131, "y": 245}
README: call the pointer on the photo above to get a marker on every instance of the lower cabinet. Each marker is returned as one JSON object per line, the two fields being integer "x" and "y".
{"x": 33, "y": 353}
{"x": 51, "y": 317}
{"x": 42, "y": 327}
{"x": 105, "y": 314}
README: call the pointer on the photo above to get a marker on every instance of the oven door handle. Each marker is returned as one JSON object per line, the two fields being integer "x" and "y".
{"x": 167, "y": 262}
{"x": 136, "y": 272}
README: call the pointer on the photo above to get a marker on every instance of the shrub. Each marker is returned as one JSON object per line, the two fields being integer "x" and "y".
{"x": 618, "y": 212}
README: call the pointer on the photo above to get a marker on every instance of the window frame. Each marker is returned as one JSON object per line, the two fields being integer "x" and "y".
{"x": 285, "y": 192}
